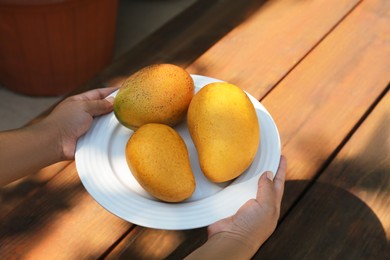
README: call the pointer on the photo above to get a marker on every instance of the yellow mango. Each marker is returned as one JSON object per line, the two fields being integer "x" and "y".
{"x": 223, "y": 125}
{"x": 158, "y": 93}
{"x": 158, "y": 158}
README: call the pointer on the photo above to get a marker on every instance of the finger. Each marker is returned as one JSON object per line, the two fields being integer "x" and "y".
{"x": 95, "y": 94}
{"x": 265, "y": 189}
{"x": 98, "y": 107}
{"x": 280, "y": 178}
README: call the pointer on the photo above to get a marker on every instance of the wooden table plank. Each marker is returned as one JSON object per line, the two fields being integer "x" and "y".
{"x": 363, "y": 166}
{"x": 232, "y": 13}
{"x": 132, "y": 249}
{"x": 324, "y": 97}
{"x": 15, "y": 193}
{"x": 60, "y": 221}
{"x": 257, "y": 54}
{"x": 145, "y": 243}
{"x": 54, "y": 223}
{"x": 181, "y": 40}
{"x": 346, "y": 213}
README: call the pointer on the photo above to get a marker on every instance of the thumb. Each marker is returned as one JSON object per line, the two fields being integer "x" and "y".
{"x": 99, "y": 107}
{"x": 265, "y": 187}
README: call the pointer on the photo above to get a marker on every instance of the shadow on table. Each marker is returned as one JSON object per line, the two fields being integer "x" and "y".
{"x": 308, "y": 232}
{"x": 318, "y": 227}
{"x": 327, "y": 223}
{"x": 33, "y": 214}
{"x": 181, "y": 40}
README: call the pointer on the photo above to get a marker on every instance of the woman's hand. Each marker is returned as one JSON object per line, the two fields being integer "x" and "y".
{"x": 241, "y": 235}
{"x": 256, "y": 220}
{"x": 73, "y": 117}
{"x": 26, "y": 150}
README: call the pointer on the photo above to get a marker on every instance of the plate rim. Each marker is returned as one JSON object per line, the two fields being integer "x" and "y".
{"x": 87, "y": 183}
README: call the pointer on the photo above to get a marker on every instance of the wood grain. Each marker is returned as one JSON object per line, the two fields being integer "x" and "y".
{"x": 145, "y": 243}
{"x": 350, "y": 199}
{"x": 15, "y": 193}
{"x": 322, "y": 99}
{"x": 320, "y": 94}
{"x": 289, "y": 91}
{"x": 60, "y": 221}
{"x": 317, "y": 105}
{"x": 363, "y": 165}
{"x": 181, "y": 40}
{"x": 258, "y": 53}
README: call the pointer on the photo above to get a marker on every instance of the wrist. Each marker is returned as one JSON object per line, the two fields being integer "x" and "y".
{"x": 238, "y": 242}
{"x": 225, "y": 245}
{"x": 52, "y": 138}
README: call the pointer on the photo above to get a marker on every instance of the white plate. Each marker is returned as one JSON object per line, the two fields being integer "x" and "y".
{"x": 102, "y": 167}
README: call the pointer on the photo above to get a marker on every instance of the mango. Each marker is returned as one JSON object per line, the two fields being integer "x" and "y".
{"x": 160, "y": 93}
{"x": 224, "y": 127}
{"x": 158, "y": 158}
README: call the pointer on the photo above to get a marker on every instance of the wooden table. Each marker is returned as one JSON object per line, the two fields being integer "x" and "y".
{"x": 322, "y": 70}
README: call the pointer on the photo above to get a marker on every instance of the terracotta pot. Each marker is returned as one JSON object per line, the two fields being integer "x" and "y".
{"x": 49, "y": 48}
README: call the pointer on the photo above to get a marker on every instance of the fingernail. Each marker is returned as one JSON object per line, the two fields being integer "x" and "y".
{"x": 110, "y": 99}
{"x": 270, "y": 175}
